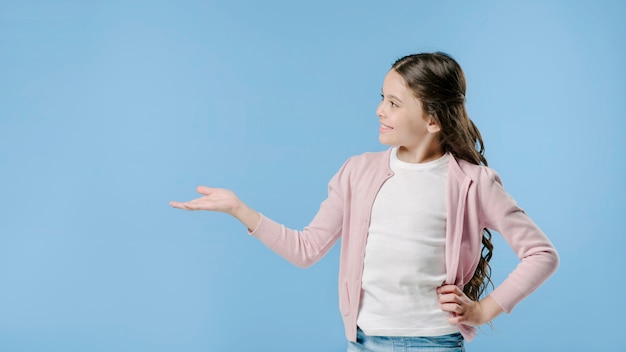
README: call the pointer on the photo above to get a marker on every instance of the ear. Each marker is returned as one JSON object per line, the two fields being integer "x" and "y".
{"x": 433, "y": 125}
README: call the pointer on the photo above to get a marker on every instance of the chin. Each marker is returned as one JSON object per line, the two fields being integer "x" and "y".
{"x": 383, "y": 140}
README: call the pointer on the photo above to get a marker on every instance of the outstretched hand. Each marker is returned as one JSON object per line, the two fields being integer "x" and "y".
{"x": 221, "y": 200}
{"x": 212, "y": 199}
{"x": 463, "y": 309}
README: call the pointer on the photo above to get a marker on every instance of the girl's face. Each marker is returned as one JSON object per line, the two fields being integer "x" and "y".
{"x": 403, "y": 122}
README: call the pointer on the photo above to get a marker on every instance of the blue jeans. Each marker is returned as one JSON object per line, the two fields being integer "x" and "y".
{"x": 445, "y": 343}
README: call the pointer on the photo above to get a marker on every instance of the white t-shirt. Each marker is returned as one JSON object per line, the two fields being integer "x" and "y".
{"x": 404, "y": 257}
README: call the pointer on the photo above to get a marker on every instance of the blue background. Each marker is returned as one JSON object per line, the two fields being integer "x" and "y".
{"x": 110, "y": 109}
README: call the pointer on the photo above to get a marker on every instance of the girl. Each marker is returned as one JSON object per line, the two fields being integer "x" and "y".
{"x": 414, "y": 221}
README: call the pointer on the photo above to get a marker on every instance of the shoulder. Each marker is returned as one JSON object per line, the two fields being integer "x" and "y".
{"x": 368, "y": 159}
{"x": 364, "y": 166}
{"x": 479, "y": 174}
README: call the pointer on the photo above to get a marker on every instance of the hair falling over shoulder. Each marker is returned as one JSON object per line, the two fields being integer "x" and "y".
{"x": 438, "y": 81}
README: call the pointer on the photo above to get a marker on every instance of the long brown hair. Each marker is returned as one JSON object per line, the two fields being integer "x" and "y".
{"x": 438, "y": 81}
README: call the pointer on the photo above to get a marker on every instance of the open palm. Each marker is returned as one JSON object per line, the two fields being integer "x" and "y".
{"x": 213, "y": 199}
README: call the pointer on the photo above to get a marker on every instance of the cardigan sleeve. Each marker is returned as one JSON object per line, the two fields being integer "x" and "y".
{"x": 538, "y": 257}
{"x": 304, "y": 248}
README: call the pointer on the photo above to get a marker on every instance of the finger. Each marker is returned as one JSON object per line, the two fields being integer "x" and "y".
{"x": 448, "y": 289}
{"x": 181, "y": 205}
{"x": 452, "y": 308}
{"x": 450, "y": 298}
{"x": 456, "y": 319}
{"x": 177, "y": 204}
{"x": 204, "y": 190}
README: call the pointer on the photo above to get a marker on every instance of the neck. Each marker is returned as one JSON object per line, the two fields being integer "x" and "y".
{"x": 420, "y": 155}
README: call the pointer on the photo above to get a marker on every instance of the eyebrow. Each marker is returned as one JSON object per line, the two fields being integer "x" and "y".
{"x": 390, "y": 96}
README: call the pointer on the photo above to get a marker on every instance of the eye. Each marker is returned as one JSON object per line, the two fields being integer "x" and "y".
{"x": 393, "y": 104}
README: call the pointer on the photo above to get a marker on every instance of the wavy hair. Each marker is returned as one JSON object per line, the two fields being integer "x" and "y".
{"x": 438, "y": 81}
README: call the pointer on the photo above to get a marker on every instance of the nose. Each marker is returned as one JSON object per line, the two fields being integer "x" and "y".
{"x": 379, "y": 110}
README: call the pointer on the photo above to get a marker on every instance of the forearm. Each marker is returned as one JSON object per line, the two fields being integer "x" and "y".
{"x": 247, "y": 216}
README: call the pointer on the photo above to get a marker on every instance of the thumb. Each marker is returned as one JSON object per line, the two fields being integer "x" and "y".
{"x": 204, "y": 190}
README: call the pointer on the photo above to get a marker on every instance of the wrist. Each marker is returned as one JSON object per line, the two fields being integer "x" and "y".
{"x": 237, "y": 209}
{"x": 246, "y": 215}
{"x": 489, "y": 309}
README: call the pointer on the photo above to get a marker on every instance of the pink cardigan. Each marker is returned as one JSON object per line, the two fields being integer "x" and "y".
{"x": 475, "y": 200}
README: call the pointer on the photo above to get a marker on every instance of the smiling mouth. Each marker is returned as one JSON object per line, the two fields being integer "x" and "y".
{"x": 385, "y": 127}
